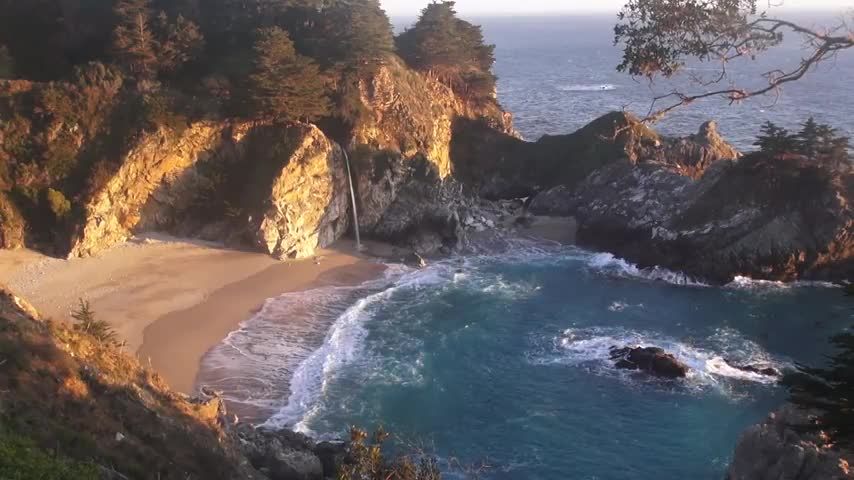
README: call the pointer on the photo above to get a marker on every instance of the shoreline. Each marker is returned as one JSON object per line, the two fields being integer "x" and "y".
{"x": 176, "y": 343}
{"x": 172, "y": 299}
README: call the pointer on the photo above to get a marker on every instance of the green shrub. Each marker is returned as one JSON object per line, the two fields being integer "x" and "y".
{"x": 59, "y": 205}
{"x": 367, "y": 461}
{"x": 21, "y": 459}
{"x": 86, "y": 322}
{"x": 159, "y": 110}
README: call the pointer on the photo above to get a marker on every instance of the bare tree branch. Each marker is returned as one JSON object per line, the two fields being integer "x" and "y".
{"x": 660, "y": 35}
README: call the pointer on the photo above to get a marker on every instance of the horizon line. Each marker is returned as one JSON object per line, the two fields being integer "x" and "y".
{"x": 507, "y": 13}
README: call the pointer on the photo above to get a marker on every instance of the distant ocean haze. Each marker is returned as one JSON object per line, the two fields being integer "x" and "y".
{"x": 558, "y": 73}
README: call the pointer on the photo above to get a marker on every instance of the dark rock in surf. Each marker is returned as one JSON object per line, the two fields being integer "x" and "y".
{"x": 766, "y": 371}
{"x": 652, "y": 360}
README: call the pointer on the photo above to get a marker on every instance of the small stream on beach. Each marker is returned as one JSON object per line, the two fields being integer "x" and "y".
{"x": 504, "y": 359}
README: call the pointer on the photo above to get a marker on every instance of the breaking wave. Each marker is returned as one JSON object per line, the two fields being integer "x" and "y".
{"x": 708, "y": 359}
{"x": 609, "y": 264}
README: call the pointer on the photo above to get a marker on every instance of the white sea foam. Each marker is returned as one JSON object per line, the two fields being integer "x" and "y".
{"x": 343, "y": 346}
{"x": 604, "y": 87}
{"x": 747, "y": 283}
{"x": 609, "y": 264}
{"x": 590, "y": 348}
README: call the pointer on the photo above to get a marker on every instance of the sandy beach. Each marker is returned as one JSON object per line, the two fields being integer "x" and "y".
{"x": 169, "y": 299}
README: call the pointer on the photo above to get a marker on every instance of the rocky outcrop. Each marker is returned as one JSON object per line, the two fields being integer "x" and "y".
{"x": 767, "y": 218}
{"x": 777, "y": 449}
{"x": 689, "y": 156}
{"x": 408, "y": 203}
{"x": 286, "y": 455}
{"x": 114, "y": 213}
{"x": 414, "y": 115}
{"x": 279, "y": 188}
{"x": 307, "y": 204}
{"x": 755, "y": 369}
{"x": 652, "y": 360}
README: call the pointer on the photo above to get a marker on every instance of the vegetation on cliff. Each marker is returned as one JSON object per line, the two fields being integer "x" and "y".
{"x": 89, "y": 80}
{"x": 450, "y": 49}
{"x": 829, "y": 390}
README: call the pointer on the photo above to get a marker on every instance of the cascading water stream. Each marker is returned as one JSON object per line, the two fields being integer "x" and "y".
{"x": 353, "y": 199}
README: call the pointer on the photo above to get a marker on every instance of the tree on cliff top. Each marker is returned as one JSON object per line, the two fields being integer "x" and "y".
{"x": 285, "y": 85}
{"x": 660, "y": 36}
{"x": 361, "y": 35}
{"x": 146, "y": 45}
{"x": 449, "y": 48}
{"x": 133, "y": 40}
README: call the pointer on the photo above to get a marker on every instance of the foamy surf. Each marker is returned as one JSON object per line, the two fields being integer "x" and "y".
{"x": 609, "y": 264}
{"x": 343, "y": 346}
{"x": 603, "y": 87}
{"x": 747, "y": 283}
{"x": 590, "y": 348}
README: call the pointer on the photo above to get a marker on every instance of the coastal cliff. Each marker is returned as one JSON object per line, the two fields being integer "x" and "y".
{"x": 280, "y": 188}
{"x": 696, "y": 205}
{"x": 777, "y": 449}
{"x": 76, "y": 406}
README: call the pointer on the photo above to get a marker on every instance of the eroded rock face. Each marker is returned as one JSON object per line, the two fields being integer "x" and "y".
{"x": 161, "y": 158}
{"x": 768, "y": 218}
{"x": 690, "y": 156}
{"x": 408, "y": 203}
{"x": 775, "y": 449}
{"x": 414, "y": 115}
{"x": 307, "y": 204}
{"x": 279, "y": 188}
{"x": 281, "y": 455}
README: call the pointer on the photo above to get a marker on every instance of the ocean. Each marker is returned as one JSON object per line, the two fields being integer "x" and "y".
{"x": 500, "y": 359}
{"x": 556, "y": 74}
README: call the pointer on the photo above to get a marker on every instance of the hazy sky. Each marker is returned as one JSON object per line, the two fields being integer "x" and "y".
{"x": 412, "y": 7}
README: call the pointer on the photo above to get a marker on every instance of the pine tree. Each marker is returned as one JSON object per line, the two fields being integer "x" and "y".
{"x": 87, "y": 323}
{"x": 285, "y": 85}
{"x": 181, "y": 41}
{"x": 830, "y": 391}
{"x": 133, "y": 41}
{"x": 450, "y": 49}
{"x": 367, "y": 35}
{"x": 808, "y": 138}
{"x": 775, "y": 140}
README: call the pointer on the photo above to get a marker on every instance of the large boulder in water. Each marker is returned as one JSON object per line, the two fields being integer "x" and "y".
{"x": 652, "y": 360}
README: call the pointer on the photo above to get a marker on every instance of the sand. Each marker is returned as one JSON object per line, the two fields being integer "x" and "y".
{"x": 171, "y": 300}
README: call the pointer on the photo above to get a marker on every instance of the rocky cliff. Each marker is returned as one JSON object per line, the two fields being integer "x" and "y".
{"x": 278, "y": 188}
{"x": 90, "y": 407}
{"x": 768, "y": 218}
{"x": 777, "y": 449}
{"x": 693, "y": 205}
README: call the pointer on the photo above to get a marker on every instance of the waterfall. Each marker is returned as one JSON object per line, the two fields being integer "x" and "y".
{"x": 353, "y": 199}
